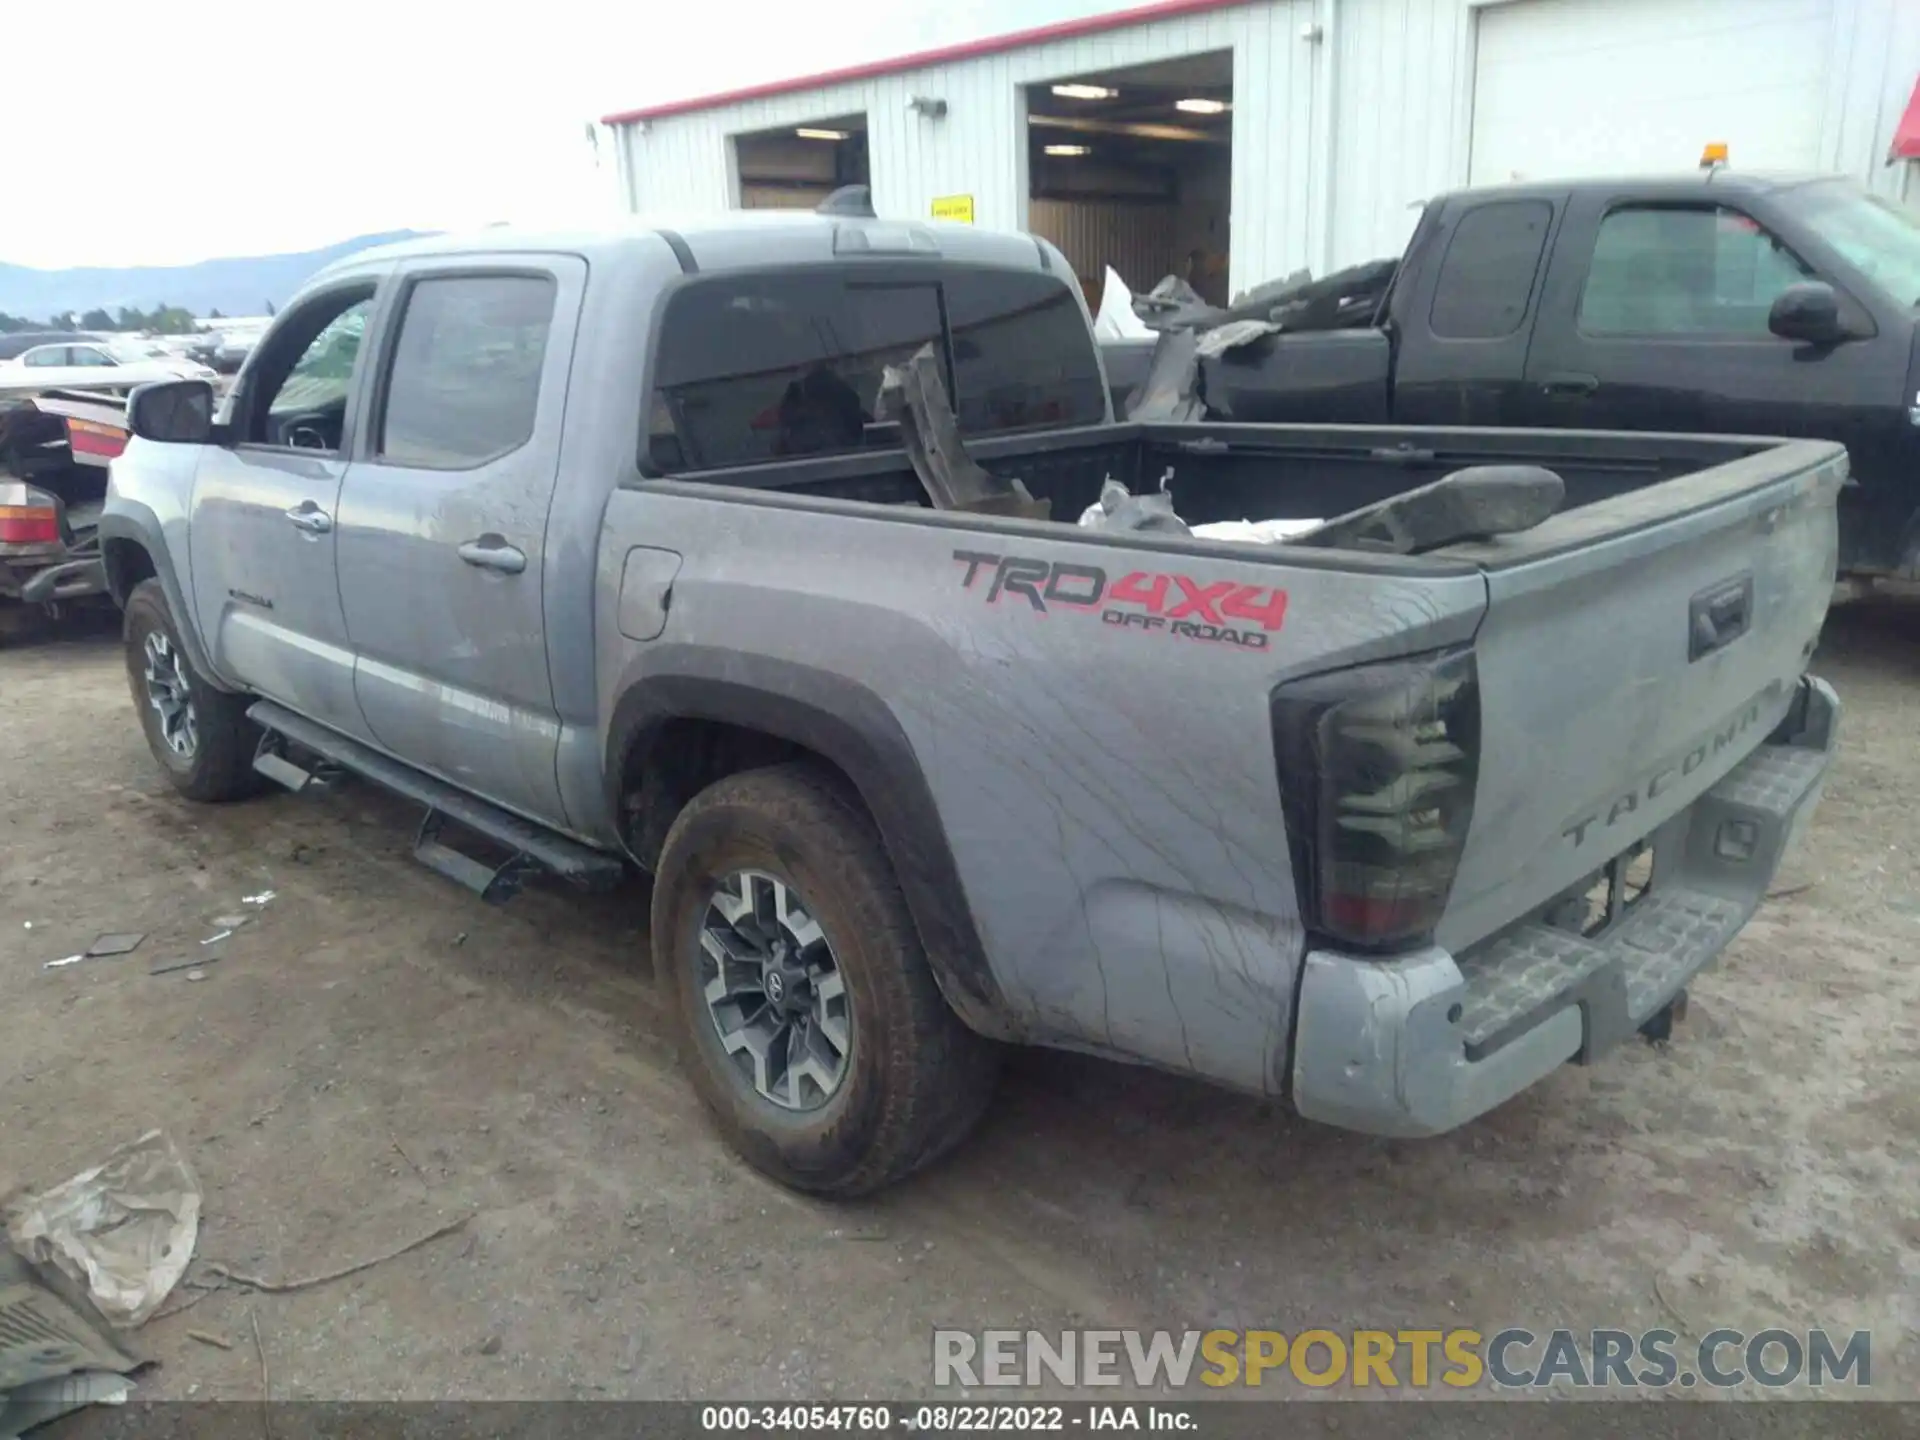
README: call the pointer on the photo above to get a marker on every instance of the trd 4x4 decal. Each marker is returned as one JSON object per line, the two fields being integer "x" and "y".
{"x": 1222, "y": 612}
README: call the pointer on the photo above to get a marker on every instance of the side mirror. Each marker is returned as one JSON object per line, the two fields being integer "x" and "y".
{"x": 1808, "y": 312}
{"x": 175, "y": 412}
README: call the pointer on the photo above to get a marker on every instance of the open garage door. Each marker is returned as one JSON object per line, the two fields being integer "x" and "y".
{"x": 1571, "y": 88}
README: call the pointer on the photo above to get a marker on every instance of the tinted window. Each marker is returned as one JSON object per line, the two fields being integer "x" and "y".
{"x": 758, "y": 367}
{"x": 1487, "y": 275}
{"x": 1693, "y": 270}
{"x": 89, "y": 355}
{"x": 1021, "y": 356}
{"x": 465, "y": 380}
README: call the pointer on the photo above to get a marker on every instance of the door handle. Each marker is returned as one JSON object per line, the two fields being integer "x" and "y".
{"x": 491, "y": 552}
{"x": 310, "y": 517}
{"x": 1570, "y": 384}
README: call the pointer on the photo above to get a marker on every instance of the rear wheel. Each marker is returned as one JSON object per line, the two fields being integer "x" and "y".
{"x": 201, "y": 736}
{"x": 813, "y": 1027}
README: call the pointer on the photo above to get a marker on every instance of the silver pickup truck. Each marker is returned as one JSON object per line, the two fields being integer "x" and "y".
{"x": 601, "y": 548}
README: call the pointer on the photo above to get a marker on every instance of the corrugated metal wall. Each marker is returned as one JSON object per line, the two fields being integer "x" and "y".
{"x": 1137, "y": 238}
{"x": 1335, "y": 137}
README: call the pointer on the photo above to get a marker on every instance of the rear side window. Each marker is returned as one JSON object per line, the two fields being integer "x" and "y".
{"x": 465, "y": 379}
{"x": 764, "y": 367}
{"x": 1021, "y": 357}
{"x": 1487, "y": 276}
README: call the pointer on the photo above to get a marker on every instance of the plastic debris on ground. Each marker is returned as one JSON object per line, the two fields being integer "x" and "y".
{"x": 261, "y": 899}
{"x": 167, "y": 967}
{"x": 108, "y": 945}
{"x": 55, "y": 1356}
{"x": 1117, "y": 320}
{"x": 44, "y": 1401}
{"x": 124, "y": 1230}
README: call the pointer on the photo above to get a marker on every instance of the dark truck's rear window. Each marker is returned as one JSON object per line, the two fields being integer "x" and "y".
{"x": 765, "y": 366}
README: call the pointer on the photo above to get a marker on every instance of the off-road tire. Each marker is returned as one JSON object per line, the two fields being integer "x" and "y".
{"x": 918, "y": 1079}
{"x": 221, "y": 766}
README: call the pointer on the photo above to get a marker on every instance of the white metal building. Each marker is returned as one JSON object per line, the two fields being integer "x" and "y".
{"x": 1248, "y": 138}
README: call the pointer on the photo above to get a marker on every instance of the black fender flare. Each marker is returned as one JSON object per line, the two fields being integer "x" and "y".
{"x": 854, "y": 729}
{"x": 132, "y": 522}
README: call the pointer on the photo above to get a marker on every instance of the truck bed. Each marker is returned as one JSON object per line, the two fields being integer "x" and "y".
{"x": 1226, "y": 472}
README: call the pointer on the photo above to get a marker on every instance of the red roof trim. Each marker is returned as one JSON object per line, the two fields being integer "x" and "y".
{"x": 1906, "y": 135}
{"x": 944, "y": 55}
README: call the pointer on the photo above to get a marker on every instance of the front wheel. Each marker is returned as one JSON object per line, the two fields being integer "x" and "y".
{"x": 813, "y": 1026}
{"x": 201, "y": 736}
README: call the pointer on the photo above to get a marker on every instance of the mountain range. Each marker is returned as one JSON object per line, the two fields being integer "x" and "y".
{"x": 238, "y": 285}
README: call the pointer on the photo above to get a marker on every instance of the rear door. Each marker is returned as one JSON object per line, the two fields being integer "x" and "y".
{"x": 1463, "y": 351}
{"x": 265, "y": 510}
{"x": 443, "y": 523}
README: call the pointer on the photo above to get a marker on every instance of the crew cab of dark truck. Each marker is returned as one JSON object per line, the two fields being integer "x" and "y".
{"x": 602, "y": 548}
{"x": 1719, "y": 303}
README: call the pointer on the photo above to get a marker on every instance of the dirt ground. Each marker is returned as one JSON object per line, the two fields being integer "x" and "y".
{"x": 377, "y": 1053}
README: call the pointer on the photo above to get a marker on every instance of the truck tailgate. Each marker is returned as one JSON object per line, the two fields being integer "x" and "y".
{"x": 1633, "y": 652}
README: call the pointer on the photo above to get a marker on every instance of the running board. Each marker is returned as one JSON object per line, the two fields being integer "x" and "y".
{"x": 529, "y": 846}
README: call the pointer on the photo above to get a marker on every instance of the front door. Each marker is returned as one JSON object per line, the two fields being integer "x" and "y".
{"x": 264, "y": 512}
{"x": 1655, "y": 318}
{"x": 443, "y": 524}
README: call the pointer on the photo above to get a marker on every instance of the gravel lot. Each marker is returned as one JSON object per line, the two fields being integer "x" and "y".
{"x": 377, "y": 1053}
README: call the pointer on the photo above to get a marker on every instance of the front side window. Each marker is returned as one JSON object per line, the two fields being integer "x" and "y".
{"x": 301, "y": 384}
{"x": 465, "y": 382}
{"x": 766, "y": 367}
{"x": 90, "y": 356}
{"x": 1692, "y": 270}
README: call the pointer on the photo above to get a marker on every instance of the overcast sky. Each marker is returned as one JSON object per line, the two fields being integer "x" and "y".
{"x": 166, "y": 133}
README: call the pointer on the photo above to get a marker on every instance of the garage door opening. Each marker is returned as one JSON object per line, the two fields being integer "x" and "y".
{"x": 1133, "y": 169}
{"x": 798, "y": 166}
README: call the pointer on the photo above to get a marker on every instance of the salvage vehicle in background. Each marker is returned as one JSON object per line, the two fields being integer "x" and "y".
{"x": 109, "y": 365}
{"x": 54, "y": 453}
{"x": 775, "y": 556}
{"x": 1716, "y": 303}
{"x": 15, "y": 343}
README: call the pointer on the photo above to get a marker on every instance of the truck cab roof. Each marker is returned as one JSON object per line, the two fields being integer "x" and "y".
{"x": 1695, "y": 185}
{"x": 739, "y": 240}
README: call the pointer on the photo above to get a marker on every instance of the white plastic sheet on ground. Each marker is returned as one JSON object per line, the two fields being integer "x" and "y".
{"x": 1116, "y": 320}
{"x": 123, "y": 1230}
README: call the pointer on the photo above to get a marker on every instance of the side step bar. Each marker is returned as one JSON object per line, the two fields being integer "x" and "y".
{"x": 529, "y": 846}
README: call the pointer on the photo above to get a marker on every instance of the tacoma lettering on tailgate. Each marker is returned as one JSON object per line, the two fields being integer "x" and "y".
{"x": 1221, "y": 612}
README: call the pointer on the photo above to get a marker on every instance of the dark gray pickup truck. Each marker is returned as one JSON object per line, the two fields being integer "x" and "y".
{"x": 602, "y": 548}
{"x": 1716, "y": 303}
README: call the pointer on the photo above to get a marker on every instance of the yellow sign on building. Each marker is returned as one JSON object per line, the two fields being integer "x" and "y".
{"x": 953, "y": 207}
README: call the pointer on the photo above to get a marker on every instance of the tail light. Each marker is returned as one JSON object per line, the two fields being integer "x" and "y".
{"x": 1378, "y": 766}
{"x": 28, "y": 516}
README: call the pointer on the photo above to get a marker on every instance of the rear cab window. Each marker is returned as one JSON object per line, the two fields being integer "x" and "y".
{"x": 1486, "y": 278}
{"x": 757, "y": 367}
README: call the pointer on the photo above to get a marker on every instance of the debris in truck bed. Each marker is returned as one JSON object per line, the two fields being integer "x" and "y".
{"x": 1476, "y": 503}
{"x": 1120, "y": 509}
{"x": 915, "y": 395}
{"x": 1171, "y": 388}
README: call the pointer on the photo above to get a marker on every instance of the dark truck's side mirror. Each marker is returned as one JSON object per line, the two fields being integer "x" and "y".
{"x": 1808, "y": 312}
{"x": 176, "y": 412}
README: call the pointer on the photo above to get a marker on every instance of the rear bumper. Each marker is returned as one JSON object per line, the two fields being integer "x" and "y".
{"x": 1425, "y": 1042}
{"x": 73, "y": 580}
